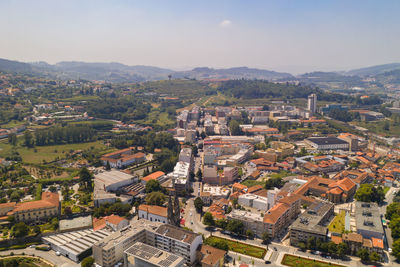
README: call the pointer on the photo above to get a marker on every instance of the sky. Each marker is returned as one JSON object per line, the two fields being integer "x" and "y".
{"x": 284, "y": 35}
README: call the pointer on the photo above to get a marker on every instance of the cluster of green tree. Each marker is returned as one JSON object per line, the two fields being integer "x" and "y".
{"x": 126, "y": 109}
{"x": 328, "y": 247}
{"x": 116, "y": 208}
{"x": 393, "y": 214}
{"x": 344, "y": 115}
{"x": 233, "y": 226}
{"x": 217, "y": 243}
{"x": 371, "y": 100}
{"x": 156, "y": 198}
{"x": 60, "y": 135}
{"x": 148, "y": 140}
{"x": 234, "y": 127}
{"x": 274, "y": 182}
{"x": 18, "y": 262}
{"x": 370, "y": 193}
{"x": 250, "y": 89}
{"x": 199, "y": 204}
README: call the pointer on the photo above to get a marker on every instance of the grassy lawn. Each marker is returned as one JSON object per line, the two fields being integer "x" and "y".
{"x": 80, "y": 98}
{"x": 243, "y": 248}
{"x": 337, "y": 224}
{"x": 386, "y": 189}
{"x": 250, "y": 183}
{"x": 291, "y": 260}
{"x": 12, "y": 124}
{"x": 47, "y": 153}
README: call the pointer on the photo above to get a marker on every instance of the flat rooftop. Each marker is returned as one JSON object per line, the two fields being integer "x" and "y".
{"x": 154, "y": 255}
{"x": 119, "y": 236}
{"x": 112, "y": 177}
{"x": 76, "y": 242}
{"x": 326, "y": 140}
{"x": 79, "y": 222}
{"x": 246, "y": 215}
{"x": 368, "y": 217}
{"x": 309, "y": 221}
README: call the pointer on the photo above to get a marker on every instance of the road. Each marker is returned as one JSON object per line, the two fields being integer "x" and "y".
{"x": 388, "y": 233}
{"x": 59, "y": 261}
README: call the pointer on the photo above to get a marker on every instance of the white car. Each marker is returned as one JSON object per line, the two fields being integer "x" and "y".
{"x": 390, "y": 250}
{"x": 58, "y": 253}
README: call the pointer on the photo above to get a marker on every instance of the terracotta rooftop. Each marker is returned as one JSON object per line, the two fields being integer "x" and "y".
{"x": 152, "y": 209}
{"x": 273, "y": 215}
{"x": 48, "y": 200}
{"x": 211, "y": 255}
{"x": 377, "y": 242}
{"x": 353, "y": 237}
{"x": 153, "y": 176}
{"x": 336, "y": 239}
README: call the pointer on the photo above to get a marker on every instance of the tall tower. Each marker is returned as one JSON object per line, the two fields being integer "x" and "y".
{"x": 312, "y": 103}
{"x": 170, "y": 211}
{"x": 177, "y": 211}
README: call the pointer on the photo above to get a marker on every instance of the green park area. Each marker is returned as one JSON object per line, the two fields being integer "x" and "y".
{"x": 296, "y": 261}
{"x": 337, "y": 224}
{"x": 50, "y": 153}
{"x": 240, "y": 247}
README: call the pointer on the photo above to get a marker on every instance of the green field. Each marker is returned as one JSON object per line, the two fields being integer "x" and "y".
{"x": 337, "y": 224}
{"x": 47, "y": 153}
{"x": 242, "y": 248}
{"x": 250, "y": 183}
{"x": 296, "y": 261}
{"x": 80, "y": 98}
{"x": 12, "y": 124}
{"x": 386, "y": 189}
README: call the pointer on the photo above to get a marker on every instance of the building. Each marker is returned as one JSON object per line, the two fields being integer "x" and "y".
{"x": 158, "y": 175}
{"x": 253, "y": 201}
{"x": 327, "y": 143}
{"x": 123, "y": 158}
{"x": 110, "y": 250}
{"x": 143, "y": 255}
{"x": 312, "y": 223}
{"x": 112, "y": 222}
{"x": 75, "y": 245}
{"x": 230, "y": 175}
{"x": 312, "y": 103}
{"x": 368, "y": 220}
{"x": 281, "y": 215}
{"x": 178, "y": 241}
{"x": 33, "y": 211}
{"x": 210, "y": 175}
{"x": 251, "y": 221}
{"x": 153, "y": 213}
{"x": 186, "y": 155}
{"x": 113, "y": 180}
{"x": 212, "y": 257}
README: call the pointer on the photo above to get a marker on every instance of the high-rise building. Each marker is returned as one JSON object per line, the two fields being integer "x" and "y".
{"x": 312, "y": 103}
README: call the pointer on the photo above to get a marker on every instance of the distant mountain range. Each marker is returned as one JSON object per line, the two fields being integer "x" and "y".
{"x": 374, "y": 76}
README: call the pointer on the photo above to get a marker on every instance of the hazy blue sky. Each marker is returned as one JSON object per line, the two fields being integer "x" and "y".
{"x": 292, "y": 36}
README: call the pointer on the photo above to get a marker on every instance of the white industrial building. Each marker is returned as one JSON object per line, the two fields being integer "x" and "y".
{"x": 253, "y": 201}
{"x": 113, "y": 180}
{"x": 75, "y": 245}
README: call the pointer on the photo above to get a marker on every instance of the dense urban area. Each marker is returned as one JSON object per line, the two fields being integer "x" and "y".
{"x": 197, "y": 172}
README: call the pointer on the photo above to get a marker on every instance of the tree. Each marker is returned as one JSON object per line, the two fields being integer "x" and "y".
{"x": 155, "y": 198}
{"x": 396, "y": 249}
{"x": 234, "y": 127}
{"x": 265, "y": 238}
{"x": 274, "y": 182}
{"x": 374, "y": 257}
{"x": 332, "y": 248}
{"x": 12, "y": 139}
{"x": 52, "y": 189}
{"x": 341, "y": 249}
{"x": 85, "y": 177}
{"x": 208, "y": 219}
{"x": 68, "y": 211}
{"x": 191, "y": 176}
{"x": 235, "y": 226}
{"x": 302, "y": 246}
{"x": 108, "y": 167}
{"x": 28, "y": 139}
{"x": 311, "y": 243}
{"x": 199, "y": 175}
{"x": 221, "y": 223}
{"x": 363, "y": 254}
{"x": 153, "y": 186}
{"x": 393, "y": 210}
{"x": 217, "y": 243}
{"x": 87, "y": 262}
{"x": 19, "y": 230}
{"x": 36, "y": 229}
{"x": 395, "y": 227}
{"x": 249, "y": 233}
{"x": 198, "y": 203}
{"x": 370, "y": 193}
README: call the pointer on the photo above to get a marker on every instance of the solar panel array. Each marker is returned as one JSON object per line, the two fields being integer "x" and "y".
{"x": 168, "y": 261}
